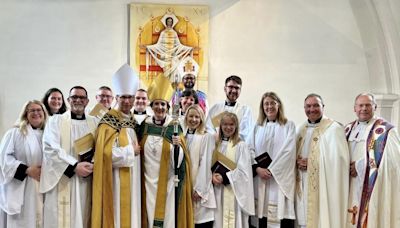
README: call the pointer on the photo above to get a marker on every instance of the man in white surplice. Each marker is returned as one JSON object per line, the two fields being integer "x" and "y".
{"x": 141, "y": 108}
{"x": 374, "y": 203}
{"x": 65, "y": 179}
{"x": 322, "y": 169}
{"x": 233, "y": 86}
{"x": 116, "y": 202}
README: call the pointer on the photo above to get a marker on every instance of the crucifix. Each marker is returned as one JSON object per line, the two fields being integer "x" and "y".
{"x": 354, "y": 211}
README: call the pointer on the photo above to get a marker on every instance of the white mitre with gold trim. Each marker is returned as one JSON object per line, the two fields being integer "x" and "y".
{"x": 125, "y": 81}
{"x": 188, "y": 66}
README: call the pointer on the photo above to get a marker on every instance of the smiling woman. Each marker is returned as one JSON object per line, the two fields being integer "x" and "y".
{"x": 233, "y": 189}
{"x": 200, "y": 145}
{"x": 20, "y": 168}
{"x": 274, "y": 181}
{"x": 54, "y": 101}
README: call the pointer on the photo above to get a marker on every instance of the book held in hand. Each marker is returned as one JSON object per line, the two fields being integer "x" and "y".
{"x": 222, "y": 165}
{"x": 263, "y": 160}
{"x": 84, "y": 147}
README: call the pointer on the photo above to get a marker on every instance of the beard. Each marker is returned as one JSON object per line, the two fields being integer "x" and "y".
{"x": 189, "y": 85}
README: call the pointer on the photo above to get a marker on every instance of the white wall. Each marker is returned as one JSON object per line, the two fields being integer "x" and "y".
{"x": 292, "y": 47}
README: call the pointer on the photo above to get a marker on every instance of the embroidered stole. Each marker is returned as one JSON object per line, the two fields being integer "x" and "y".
{"x": 312, "y": 171}
{"x": 112, "y": 128}
{"x": 375, "y": 147}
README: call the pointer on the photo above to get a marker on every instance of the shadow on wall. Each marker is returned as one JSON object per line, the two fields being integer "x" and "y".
{"x": 218, "y": 6}
{"x": 1, "y": 114}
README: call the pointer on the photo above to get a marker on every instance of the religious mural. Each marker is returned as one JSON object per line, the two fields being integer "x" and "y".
{"x": 162, "y": 36}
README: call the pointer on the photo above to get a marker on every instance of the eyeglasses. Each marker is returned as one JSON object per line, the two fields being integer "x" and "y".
{"x": 105, "y": 96}
{"x": 270, "y": 104}
{"x": 35, "y": 110}
{"x": 75, "y": 97}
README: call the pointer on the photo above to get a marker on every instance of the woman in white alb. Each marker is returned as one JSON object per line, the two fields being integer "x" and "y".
{"x": 20, "y": 164}
{"x": 274, "y": 185}
{"x": 233, "y": 192}
{"x": 200, "y": 146}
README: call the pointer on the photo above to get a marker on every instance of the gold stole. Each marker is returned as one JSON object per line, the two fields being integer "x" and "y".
{"x": 313, "y": 171}
{"x": 125, "y": 186}
{"x": 229, "y": 196}
{"x": 102, "y": 199}
{"x": 185, "y": 208}
{"x": 64, "y": 185}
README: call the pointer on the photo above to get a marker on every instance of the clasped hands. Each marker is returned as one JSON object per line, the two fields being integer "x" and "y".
{"x": 263, "y": 173}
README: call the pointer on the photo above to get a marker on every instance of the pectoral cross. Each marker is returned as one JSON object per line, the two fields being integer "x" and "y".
{"x": 354, "y": 211}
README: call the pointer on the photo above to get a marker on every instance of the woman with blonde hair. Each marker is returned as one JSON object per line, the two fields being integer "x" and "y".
{"x": 274, "y": 139}
{"x": 20, "y": 164}
{"x": 232, "y": 176}
{"x": 200, "y": 146}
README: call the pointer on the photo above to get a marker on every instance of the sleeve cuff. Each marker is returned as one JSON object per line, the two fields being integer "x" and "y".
{"x": 20, "y": 174}
{"x": 70, "y": 171}
{"x": 254, "y": 167}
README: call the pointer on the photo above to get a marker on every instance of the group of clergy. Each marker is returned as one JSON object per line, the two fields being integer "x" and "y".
{"x": 114, "y": 167}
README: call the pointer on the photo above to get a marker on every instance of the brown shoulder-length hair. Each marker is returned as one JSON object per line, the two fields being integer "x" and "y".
{"x": 235, "y": 138}
{"x": 281, "y": 118}
{"x": 202, "y": 127}
{"x": 22, "y": 122}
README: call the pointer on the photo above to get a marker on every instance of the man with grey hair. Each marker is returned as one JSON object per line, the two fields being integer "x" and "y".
{"x": 375, "y": 160}
{"x": 322, "y": 169}
{"x": 65, "y": 175}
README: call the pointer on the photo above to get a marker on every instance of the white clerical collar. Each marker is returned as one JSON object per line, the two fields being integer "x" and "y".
{"x": 78, "y": 117}
{"x": 189, "y": 131}
{"x": 230, "y": 103}
{"x": 159, "y": 122}
{"x": 139, "y": 113}
{"x": 364, "y": 122}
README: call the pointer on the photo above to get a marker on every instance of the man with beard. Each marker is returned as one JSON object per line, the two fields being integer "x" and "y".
{"x": 65, "y": 177}
{"x": 233, "y": 85}
{"x": 188, "y": 70}
{"x": 322, "y": 178}
{"x": 140, "y": 106}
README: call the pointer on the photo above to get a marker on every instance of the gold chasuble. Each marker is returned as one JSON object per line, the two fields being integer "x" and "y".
{"x": 313, "y": 171}
{"x": 185, "y": 208}
{"x": 112, "y": 127}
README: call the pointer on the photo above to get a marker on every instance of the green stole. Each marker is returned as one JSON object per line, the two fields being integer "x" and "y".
{"x": 185, "y": 208}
